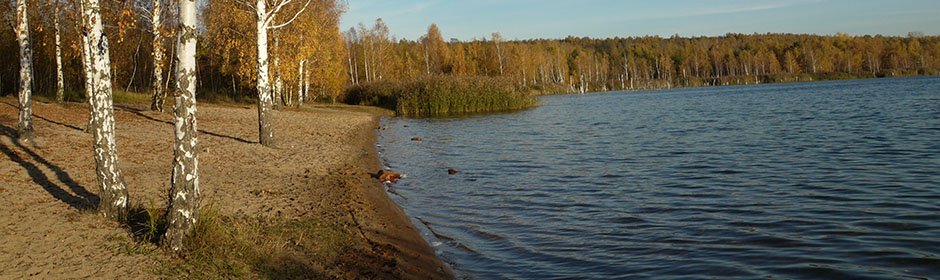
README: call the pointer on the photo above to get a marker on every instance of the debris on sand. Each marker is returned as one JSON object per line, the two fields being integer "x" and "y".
{"x": 387, "y": 176}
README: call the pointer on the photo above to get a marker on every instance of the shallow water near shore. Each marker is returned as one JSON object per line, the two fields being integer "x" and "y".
{"x": 836, "y": 180}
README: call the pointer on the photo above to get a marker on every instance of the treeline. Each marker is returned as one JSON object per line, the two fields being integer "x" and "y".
{"x": 585, "y": 64}
{"x": 310, "y": 59}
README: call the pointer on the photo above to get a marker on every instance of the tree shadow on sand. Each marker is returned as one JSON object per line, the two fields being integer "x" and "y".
{"x": 46, "y": 119}
{"x": 79, "y": 198}
{"x": 140, "y": 113}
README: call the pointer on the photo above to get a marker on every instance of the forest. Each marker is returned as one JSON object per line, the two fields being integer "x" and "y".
{"x": 312, "y": 57}
{"x": 586, "y": 64}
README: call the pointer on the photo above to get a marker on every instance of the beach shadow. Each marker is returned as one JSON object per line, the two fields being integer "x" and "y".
{"x": 140, "y": 113}
{"x": 58, "y": 123}
{"x": 79, "y": 198}
{"x": 45, "y": 119}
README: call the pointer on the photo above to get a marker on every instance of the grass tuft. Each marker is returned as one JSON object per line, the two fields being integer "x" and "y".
{"x": 226, "y": 247}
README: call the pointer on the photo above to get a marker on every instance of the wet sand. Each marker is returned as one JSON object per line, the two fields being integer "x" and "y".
{"x": 320, "y": 170}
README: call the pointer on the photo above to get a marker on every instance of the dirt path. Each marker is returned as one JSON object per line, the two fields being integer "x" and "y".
{"x": 320, "y": 171}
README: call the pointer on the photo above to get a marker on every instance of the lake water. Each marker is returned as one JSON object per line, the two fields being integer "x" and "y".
{"x": 835, "y": 180}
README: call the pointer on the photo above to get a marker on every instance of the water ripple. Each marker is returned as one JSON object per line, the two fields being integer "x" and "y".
{"x": 830, "y": 180}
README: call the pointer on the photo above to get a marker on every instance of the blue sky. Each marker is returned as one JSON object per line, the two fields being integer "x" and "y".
{"x": 525, "y": 19}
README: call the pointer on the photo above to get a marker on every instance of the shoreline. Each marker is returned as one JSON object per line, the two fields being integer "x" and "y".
{"x": 391, "y": 226}
{"x": 308, "y": 209}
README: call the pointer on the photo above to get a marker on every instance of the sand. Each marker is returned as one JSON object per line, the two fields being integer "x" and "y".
{"x": 320, "y": 169}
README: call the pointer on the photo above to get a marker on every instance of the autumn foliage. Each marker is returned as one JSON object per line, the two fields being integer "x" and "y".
{"x": 585, "y": 64}
{"x": 336, "y": 60}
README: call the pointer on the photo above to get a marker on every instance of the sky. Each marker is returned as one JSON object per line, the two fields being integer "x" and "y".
{"x": 529, "y": 19}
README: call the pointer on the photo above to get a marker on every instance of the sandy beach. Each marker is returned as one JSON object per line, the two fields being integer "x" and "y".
{"x": 319, "y": 177}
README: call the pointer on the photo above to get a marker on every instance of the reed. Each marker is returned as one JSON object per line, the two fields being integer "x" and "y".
{"x": 443, "y": 96}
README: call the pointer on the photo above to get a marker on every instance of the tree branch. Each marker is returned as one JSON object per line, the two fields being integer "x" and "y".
{"x": 293, "y": 18}
{"x": 247, "y": 4}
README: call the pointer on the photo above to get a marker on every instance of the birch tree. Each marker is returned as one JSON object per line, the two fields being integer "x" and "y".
{"x": 87, "y": 67}
{"x": 113, "y": 193}
{"x": 264, "y": 22}
{"x": 497, "y": 38}
{"x": 60, "y": 78}
{"x": 349, "y": 38}
{"x": 25, "y": 125}
{"x": 301, "y": 84}
{"x": 184, "y": 187}
{"x": 159, "y": 96}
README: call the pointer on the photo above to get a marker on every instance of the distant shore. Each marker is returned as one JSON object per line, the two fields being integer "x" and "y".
{"x": 308, "y": 209}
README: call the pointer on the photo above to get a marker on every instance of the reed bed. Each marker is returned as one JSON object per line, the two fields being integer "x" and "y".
{"x": 443, "y": 96}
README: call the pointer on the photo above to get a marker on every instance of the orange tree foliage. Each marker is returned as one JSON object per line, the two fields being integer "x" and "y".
{"x": 335, "y": 60}
{"x": 574, "y": 64}
{"x": 230, "y": 41}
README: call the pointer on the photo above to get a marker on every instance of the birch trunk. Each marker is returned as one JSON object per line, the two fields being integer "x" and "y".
{"x": 89, "y": 79}
{"x": 113, "y": 193}
{"x": 300, "y": 84}
{"x": 306, "y": 87}
{"x": 60, "y": 80}
{"x": 278, "y": 97}
{"x": 349, "y": 54}
{"x": 265, "y": 125}
{"x": 184, "y": 187}
{"x": 159, "y": 95}
{"x": 427, "y": 61}
{"x": 365, "y": 63}
{"x": 25, "y": 125}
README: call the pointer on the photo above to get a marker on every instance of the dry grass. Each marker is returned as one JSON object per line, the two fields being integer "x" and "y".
{"x": 226, "y": 247}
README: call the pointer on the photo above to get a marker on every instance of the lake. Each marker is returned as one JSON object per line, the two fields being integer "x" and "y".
{"x": 837, "y": 180}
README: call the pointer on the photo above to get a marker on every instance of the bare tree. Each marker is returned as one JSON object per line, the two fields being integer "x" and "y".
{"x": 25, "y": 125}
{"x": 184, "y": 188}
{"x": 113, "y": 193}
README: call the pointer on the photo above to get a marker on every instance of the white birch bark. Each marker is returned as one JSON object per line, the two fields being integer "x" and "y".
{"x": 349, "y": 55}
{"x": 113, "y": 193}
{"x": 278, "y": 97}
{"x": 306, "y": 87}
{"x": 25, "y": 124}
{"x": 89, "y": 78}
{"x": 184, "y": 187}
{"x": 427, "y": 60}
{"x": 265, "y": 125}
{"x": 159, "y": 95}
{"x": 300, "y": 83}
{"x": 60, "y": 79}
{"x": 499, "y": 52}
{"x": 264, "y": 22}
